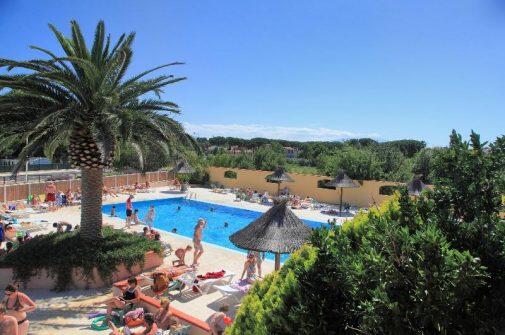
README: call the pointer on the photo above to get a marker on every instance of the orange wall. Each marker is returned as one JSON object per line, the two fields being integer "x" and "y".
{"x": 303, "y": 185}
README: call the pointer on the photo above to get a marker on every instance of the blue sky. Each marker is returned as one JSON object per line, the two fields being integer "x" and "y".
{"x": 308, "y": 70}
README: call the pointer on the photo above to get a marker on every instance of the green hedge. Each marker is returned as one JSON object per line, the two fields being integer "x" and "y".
{"x": 59, "y": 253}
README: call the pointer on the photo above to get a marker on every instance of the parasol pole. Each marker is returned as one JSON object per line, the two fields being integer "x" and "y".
{"x": 277, "y": 261}
{"x": 341, "y": 196}
{"x": 278, "y": 189}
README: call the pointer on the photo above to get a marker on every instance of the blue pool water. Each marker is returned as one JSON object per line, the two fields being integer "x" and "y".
{"x": 169, "y": 217}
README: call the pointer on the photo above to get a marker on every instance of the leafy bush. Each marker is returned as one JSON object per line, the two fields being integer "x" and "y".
{"x": 433, "y": 265}
{"x": 59, "y": 253}
{"x": 230, "y": 174}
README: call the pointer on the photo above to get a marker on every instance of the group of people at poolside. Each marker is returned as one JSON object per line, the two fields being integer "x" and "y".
{"x": 161, "y": 320}
{"x": 127, "y": 189}
{"x": 154, "y": 323}
{"x": 132, "y": 216}
{"x": 13, "y": 311}
{"x": 252, "y": 263}
{"x": 55, "y": 198}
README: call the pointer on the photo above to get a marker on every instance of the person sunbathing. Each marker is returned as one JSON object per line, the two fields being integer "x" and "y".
{"x": 173, "y": 272}
{"x": 180, "y": 253}
{"x": 160, "y": 282}
{"x": 150, "y": 327}
{"x": 163, "y": 317}
{"x": 147, "y": 233}
{"x": 131, "y": 295}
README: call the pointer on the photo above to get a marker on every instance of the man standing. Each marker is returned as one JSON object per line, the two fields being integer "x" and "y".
{"x": 50, "y": 191}
{"x": 197, "y": 241}
{"x": 8, "y": 324}
{"x": 129, "y": 211}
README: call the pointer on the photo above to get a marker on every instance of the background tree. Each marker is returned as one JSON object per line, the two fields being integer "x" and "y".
{"x": 269, "y": 157}
{"x": 360, "y": 164}
{"x": 83, "y": 101}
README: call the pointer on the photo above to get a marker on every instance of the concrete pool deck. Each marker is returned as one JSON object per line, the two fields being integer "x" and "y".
{"x": 65, "y": 313}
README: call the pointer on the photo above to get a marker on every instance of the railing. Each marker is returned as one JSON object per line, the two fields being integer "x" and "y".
{"x": 37, "y": 167}
{"x": 21, "y": 191}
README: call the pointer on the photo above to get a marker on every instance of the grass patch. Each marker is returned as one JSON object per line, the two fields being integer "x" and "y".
{"x": 59, "y": 253}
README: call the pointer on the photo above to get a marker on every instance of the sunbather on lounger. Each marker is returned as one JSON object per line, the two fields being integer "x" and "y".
{"x": 151, "y": 327}
{"x": 130, "y": 296}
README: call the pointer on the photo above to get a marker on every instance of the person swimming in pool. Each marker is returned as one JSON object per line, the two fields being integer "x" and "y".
{"x": 178, "y": 208}
{"x": 225, "y": 224}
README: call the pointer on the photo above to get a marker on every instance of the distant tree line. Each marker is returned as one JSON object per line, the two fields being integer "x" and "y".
{"x": 364, "y": 158}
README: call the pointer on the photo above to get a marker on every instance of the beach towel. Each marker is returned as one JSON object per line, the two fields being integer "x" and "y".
{"x": 212, "y": 275}
{"x": 241, "y": 285}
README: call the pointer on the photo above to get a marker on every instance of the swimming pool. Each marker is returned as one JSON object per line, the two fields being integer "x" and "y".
{"x": 168, "y": 216}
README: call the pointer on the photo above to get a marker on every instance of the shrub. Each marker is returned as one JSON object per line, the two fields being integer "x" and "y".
{"x": 59, "y": 253}
{"x": 391, "y": 274}
{"x": 230, "y": 174}
{"x": 433, "y": 265}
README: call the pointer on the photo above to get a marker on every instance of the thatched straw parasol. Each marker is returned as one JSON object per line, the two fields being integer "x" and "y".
{"x": 278, "y": 177}
{"x": 416, "y": 186}
{"x": 278, "y": 230}
{"x": 343, "y": 181}
{"x": 183, "y": 168}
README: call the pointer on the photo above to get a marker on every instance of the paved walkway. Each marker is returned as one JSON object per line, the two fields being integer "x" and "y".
{"x": 65, "y": 313}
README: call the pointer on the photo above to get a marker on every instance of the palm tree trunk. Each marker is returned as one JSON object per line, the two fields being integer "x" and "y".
{"x": 91, "y": 204}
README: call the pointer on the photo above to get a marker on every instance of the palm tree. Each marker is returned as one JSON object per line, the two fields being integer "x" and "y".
{"x": 83, "y": 101}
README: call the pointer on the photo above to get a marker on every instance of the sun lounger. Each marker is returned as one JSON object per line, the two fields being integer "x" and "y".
{"x": 190, "y": 281}
{"x": 229, "y": 292}
{"x": 207, "y": 284}
{"x": 203, "y": 286}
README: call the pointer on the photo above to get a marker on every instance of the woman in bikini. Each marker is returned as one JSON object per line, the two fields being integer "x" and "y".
{"x": 250, "y": 269}
{"x": 130, "y": 295}
{"x": 17, "y": 305}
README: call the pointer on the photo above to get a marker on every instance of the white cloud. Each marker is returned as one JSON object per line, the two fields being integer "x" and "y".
{"x": 274, "y": 132}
